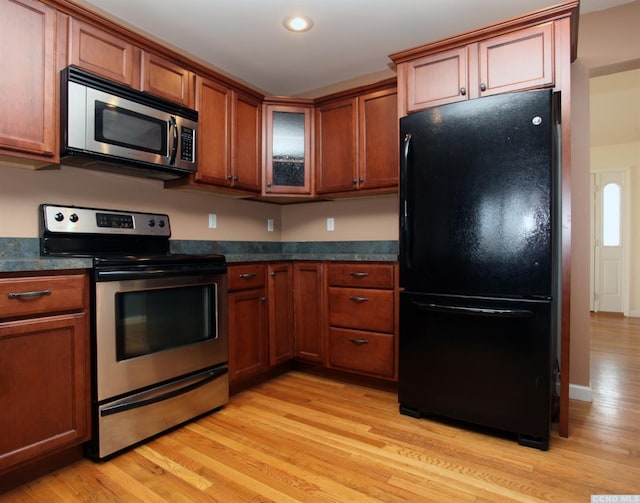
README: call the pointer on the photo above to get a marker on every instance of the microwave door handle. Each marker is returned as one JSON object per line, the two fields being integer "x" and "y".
{"x": 174, "y": 148}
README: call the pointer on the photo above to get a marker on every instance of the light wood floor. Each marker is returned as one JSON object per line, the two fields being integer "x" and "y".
{"x": 304, "y": 438}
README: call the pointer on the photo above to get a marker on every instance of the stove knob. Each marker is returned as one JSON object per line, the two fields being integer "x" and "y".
{"x": 73, "y": 217}
{"x": 160, "y": 223}
{"x": 59, "y": 217}
{"x": 151, "y": 223}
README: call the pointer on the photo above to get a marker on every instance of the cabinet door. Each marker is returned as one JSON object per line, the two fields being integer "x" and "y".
{"x": 213, "y": 102}
{"x": 104, "y": 54}
{"x": 167, "y": 79}
{"x": 247, "y": 334}
{"x": 437, "y": 79}
{"x": 288, "y": 150}
{"x": 44, "y": 373}
{"x": 280, "y": 300}
{"x": 336, "y": 146}
{"x": 379, "y": 145}
{"x": 517, "y": 61}
{"x": 309, "y": 318}
{"x": 246, "y": 165}
{"x": 28, "y": 119}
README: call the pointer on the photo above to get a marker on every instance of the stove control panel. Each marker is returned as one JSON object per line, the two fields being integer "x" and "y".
{"x": 77, "y": 220}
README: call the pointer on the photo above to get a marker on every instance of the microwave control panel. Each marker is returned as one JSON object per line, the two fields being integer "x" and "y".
{"x": 187, "y": 152}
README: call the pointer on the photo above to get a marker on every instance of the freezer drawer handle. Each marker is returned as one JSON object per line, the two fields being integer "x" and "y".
{"x": 475, "y": 311}
{"x": 359, "y": 299}
{"x": 124, "y": 406}
{"x": 359, "y": 274}
{"x": 358, "y": 342}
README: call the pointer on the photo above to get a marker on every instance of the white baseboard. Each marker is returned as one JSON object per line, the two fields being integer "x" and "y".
{"x": 577, "y": 392}
{"x": 634, "y": 314}
{"x": 582, "y": 393}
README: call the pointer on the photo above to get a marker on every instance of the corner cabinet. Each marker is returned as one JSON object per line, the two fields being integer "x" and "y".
{"x": 356, "y": 141}
{"x": 527, "y": 52}
{"x": 29, "y": 81}
{"x": 288, "y": 169}
{"x": 44, "y": 367}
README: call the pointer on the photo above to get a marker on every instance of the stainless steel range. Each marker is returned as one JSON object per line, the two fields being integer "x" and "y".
{"x": 159, "y": 322}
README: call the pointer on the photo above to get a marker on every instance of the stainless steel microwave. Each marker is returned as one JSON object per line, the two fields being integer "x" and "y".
{"x": 111, "y": 127}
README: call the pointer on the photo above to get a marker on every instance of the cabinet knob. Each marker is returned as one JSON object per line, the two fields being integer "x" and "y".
{"x": 354, "y": 181}
{"x": 268, "y": 184}
{"x": 263, "y": 299}
{"x": 229, "y": 177}
{"x": 272, "y": 273}
{"x": 463, "y": 91}
{"x": 483, "y": 87}
{"x": 361, "y": 180}
{"x": 235, "y": 178}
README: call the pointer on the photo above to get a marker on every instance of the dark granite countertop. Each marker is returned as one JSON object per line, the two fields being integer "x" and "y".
{"x": 23, "y": 254}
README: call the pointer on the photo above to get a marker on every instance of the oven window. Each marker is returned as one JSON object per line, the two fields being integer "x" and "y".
{"x": 149, "y": 321}
{"x": 125, "y": 128}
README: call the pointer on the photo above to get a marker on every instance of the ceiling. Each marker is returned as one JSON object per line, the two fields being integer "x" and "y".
{"x": 245, "y": 39}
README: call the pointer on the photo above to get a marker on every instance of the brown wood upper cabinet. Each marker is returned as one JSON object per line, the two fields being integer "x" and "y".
{"x": 166, "y": 79}
{"x": 357, "y": 141}
{"x": 517, "y": 60}
{"x": 288, "y": 166}
{"x": 230, "y": 137}
{"x": 28, "y": 99}
{"x": 118, "y": 59}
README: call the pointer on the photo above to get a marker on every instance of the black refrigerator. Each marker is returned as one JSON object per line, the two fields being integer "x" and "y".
{"x": 479, "y": 258}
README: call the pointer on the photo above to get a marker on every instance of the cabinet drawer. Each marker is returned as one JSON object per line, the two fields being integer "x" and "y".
{"x": 362, "y": 309}
{"x": 361, "y": 351}
{"x": 244, "y": 277}
{"x": 40, "y": 295}
{"x": 361, "y": 275}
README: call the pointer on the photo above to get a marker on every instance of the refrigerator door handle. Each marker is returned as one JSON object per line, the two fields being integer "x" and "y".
{"x": 404, "y": 198}
{"x": 475, "y": 311}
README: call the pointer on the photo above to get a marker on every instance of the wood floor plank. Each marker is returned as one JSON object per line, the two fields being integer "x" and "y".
{"x": 302, "y": 437}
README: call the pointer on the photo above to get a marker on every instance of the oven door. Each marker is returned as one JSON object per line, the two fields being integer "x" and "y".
{"x": 150, "y": 331}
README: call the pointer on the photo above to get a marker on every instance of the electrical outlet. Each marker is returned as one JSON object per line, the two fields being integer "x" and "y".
{"x": 331, "y": 224}
{"x": 269, "y": 224}
{"x": 213, "y": 221}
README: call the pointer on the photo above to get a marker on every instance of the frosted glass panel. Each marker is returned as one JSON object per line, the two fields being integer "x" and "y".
{"x": 611, "y": 215}
{"x": 288, "y": 149}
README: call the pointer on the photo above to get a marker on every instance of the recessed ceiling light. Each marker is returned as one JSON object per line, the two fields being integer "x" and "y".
{"x": 298, "y": 23}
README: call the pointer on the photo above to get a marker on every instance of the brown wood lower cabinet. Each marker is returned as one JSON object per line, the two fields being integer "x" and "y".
{"x": 308, "y": 300}
{"x": 326, "y": 315}
{"x": 44, "y": 368}
{"x": 362, "y": 316}
{"x": 248, "y": 322}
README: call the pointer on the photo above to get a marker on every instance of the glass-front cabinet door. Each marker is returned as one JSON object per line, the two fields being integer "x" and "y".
{"x": 288, "y": 150}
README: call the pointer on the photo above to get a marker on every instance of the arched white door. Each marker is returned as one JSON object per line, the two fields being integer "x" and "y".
{"x": 610, "y": 283}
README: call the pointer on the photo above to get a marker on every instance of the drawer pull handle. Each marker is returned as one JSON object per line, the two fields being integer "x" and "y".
{"x": 359, "y": 299}
{"x": 248, "y": 275}
{"x": 359, "y": 274}
{"x": 359, "y": 342}
{"x": 26, "y": 295}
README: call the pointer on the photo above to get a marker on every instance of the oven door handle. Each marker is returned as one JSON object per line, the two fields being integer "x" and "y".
{"x": 120, "y": 274}
{"x": 135, "y": 403}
